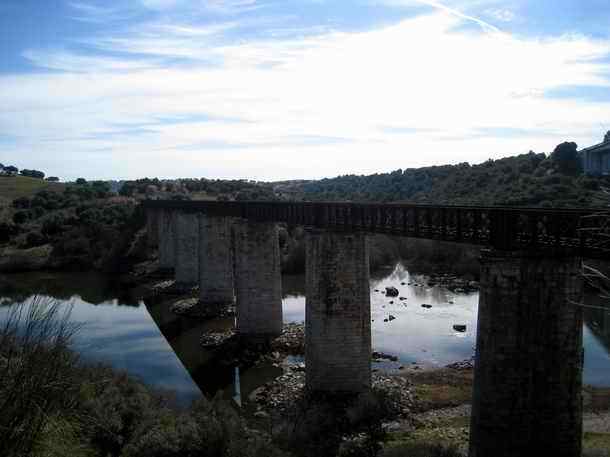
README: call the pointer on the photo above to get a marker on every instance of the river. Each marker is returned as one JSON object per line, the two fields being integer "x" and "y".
{"x": 149, "y": 341}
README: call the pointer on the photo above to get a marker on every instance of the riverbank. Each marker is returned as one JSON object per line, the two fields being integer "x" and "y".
{"x": 442, "y": 412}
{"x": 428, "y": 406}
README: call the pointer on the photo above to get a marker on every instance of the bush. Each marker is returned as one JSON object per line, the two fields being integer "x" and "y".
{"x": 7, "y": 230}
{"x": 36, "y": 372}
{"x": 53, "y": 224}
{"x": 566, "y": 158}
{"x": 33, "y": 239}
{"x": 22, "y": 203}
{"x": 21, "y": 217}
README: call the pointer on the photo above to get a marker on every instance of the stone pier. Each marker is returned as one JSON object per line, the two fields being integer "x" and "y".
{"x": 215, "y": 263}
{"x": 167, "y": 239}
{"x": 528, "y": 375}
{"x": 258, "y": 280}
{"x": 186, "y": 232}
{"x": 152, "y": 227}
{"x": 337, "y": 312}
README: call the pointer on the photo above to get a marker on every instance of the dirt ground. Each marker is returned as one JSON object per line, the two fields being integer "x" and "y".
{"x": 442, "y": 412}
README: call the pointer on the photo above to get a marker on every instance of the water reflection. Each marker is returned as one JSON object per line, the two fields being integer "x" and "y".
{"x": 597, "y": 340}
{"x": 116, "y": 331}
{"x": 155, "y": 344}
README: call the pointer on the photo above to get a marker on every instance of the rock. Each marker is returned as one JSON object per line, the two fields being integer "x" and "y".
{"x": 462, "y": 365}
{"x": 459, "y": 327}
{"x": 385, "y": 320}
{"x": 391, "y": 291}
{"x": 215, "y": 339}
{"x": 383, "y": 356}
{"x": 392, "y": 318}
{"x": 425, "y": 305}
{"x": 391, "y": 302}
{"x": 402, "y": 283}
{"x": 402, "y": 298}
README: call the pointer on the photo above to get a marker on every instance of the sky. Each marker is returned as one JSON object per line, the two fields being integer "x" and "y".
{"x": 287, "y": 89}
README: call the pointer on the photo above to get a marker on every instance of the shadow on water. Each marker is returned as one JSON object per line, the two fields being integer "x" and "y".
{"x": 215, "y": 371}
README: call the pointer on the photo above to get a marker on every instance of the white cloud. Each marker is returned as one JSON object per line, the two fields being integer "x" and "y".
{"x": 500, "y": 14}
{"x": 412, "y": 94}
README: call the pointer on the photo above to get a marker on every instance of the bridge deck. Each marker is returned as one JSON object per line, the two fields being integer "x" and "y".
{"x": 584, "y": 231}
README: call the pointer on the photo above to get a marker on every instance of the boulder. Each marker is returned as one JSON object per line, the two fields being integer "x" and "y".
{"x": 391, "y": 291}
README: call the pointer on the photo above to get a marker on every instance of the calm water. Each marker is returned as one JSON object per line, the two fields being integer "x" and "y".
{"x": 153, "y": 343}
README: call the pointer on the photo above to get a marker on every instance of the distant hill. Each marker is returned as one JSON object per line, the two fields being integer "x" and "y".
{"x": 524, "y": 180}
{"x": 12, "y": 187}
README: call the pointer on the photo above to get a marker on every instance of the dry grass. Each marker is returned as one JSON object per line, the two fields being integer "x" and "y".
{"x": 12, "y": 187}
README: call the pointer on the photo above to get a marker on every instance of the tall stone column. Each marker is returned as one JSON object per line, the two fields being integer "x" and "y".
{"x": 215, "y": 263}
{"x": 528, "y": 369}
{"x": 258, "y": 280}
{"x": 152, "y": 227}
{"x": 187, "y": 249}
{"x": 167, "y": 240}
{"x": 337, "y": 312}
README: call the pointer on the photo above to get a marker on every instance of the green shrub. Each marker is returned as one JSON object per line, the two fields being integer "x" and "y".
{"x": 33, "y": 239}
{"x": 21, "y": 217}
{"x": 36, "y": 372}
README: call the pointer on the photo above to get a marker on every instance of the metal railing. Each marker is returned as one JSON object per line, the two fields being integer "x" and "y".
{"x": 506, "y": 228}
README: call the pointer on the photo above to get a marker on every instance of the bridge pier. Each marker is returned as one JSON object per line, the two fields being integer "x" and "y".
{"x": 337, "y": 312}
{"x": 152, "y": 227}
{"x": 215, "y": 263}
{"x": 528, "y": 370}
{"x": 167, "y": 239}
{"x": 258, "y": 280}
{"x": 186, "y": 233}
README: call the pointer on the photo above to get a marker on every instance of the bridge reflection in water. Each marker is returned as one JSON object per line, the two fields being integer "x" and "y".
{"x": 527, "y": 394}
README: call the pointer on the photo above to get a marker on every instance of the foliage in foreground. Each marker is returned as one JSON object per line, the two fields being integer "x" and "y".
{"x": 54, "y": 405}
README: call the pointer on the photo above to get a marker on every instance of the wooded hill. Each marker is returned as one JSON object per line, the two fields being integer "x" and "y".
{"x": 524, "y": 180}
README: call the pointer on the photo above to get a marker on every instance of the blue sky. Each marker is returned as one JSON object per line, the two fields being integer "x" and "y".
{"x": 263, "y": 89}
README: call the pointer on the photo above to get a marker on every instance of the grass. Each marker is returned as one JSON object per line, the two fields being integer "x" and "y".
{"x": 596, "y": 444}
{"x": 12, "y": 187}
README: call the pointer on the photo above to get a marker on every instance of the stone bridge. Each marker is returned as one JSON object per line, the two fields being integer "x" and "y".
{"x": 528, "y": 367}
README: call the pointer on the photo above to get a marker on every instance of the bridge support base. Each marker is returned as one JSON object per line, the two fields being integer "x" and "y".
{"x": 187, "y": 250}
{"x": 337, "y": 313}
{"x": 528, "y": 370}
{"x": 215, "y": 264}
{"x": 167, "y": 240}
{"x": 258, "y": 280}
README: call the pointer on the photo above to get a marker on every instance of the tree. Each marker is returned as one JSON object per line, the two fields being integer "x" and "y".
{"x": 11, "y": 169}
{"x": 53, "y": 179}
{"x": 565, "y": 156}
{"x": 81, "y": 181}
{"x": 32, "y": 173}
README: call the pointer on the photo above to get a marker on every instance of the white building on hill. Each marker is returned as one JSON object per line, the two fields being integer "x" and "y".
{"x": 596, "y": 159}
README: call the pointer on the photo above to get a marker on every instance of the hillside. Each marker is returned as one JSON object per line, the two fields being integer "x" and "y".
{"x": 12, "y": 187}
{"x": 525, "y": 180}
